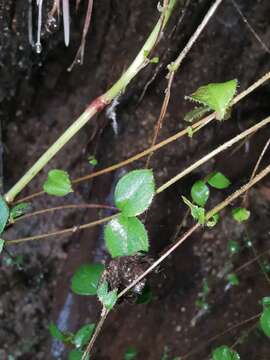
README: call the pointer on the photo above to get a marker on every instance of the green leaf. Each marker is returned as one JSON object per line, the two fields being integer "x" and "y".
{"x": 225, "y": 353}
{"x": 200, "y": 193}
{"x": 130, "y": 353}
{"x": 234, "y": 246}
{"x": 218, "y": 181}
{"x": 265, "y": 321}
{"x": 213, "y": 221}
{"x": 2, "y": 243}
{"x": 218, "y": 96}
{"x": 125, "y": 236}
{"x": 76, "y": 355}
{"x": 85, "y": 279}
{"x": 134, "y": 192}
{"x": 233, "y": 279}
{"x": 240, "y": 214}
{"x": 19, "y": 210}
{"x": 196, "y": 113}
{"x": 92, "y": 160}
{"x": 58, "y": 183}
{"x": 4, "y": 214}
{"x": 107, "y": 298}
{"x": 56, "y": 333}
{"x": 198, "y": 213}
{"x": 154, "y": 60}
{"x": 83, "y": 335}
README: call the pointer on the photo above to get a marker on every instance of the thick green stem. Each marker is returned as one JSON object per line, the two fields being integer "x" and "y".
{"x": 97, "y": 105}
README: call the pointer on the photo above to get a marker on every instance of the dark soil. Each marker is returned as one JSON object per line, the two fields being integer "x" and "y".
{"x": 39, "y": 99}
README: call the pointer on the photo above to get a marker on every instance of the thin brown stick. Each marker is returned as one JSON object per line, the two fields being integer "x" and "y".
{"x": 72, "y": 229}
{"x": 256, "y": 168}
{"x": 253, "y": 32}
{"x": 194, "y": 37}
{"x": 79, "y": 57}
{"x": 213, "y": 153}
{"x": 99, "y": 326}
{"x": 163, "y": 143}
{"x": 64, "y": 207}
{"x": 248, "y": 263}
{"x": 161, "y": 115}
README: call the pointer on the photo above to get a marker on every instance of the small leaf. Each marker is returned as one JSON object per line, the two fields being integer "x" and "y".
{"x": 213, "y": 221}
{"x": 198, "y": 213}
{"x": 2, "y": 243}
{"x": 234, "y": 246}
{"x": 85, "y": 279}
{"x": 240, "y": 214}
{"x": 19, "y": 210}
{"x": 83, "y": 335}
{"x": 265, "y": 321}
{"x": 200, "y": 193}
{"x": 57, "y": 183}
{"x": 154, "y": 60}
{"x": 4, "y": 214}
{"x": 125, "y": 236}
{"x": 56, "y": 333}
{"x": 76, "y": 355}
{"x": 196, "y": 113}
{"x": 107, "y": 298}
{"x": 217, "y": 96}
{"x": 225, "y": 353}
{"x": 134, "y": 192}
{"x": 218, "y": 181}
{"x": 233, "y": 279}
{"x": 92, "y": 160}
{"x": 130, "y": 353}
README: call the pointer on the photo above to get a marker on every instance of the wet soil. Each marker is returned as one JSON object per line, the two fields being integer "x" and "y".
{"x": 40, "y": 99}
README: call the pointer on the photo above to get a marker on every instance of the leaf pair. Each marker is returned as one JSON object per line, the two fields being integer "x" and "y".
{"x": 79, "y": 339}
{"x": 126, "y": 235}
{"x": 200, "y": 192}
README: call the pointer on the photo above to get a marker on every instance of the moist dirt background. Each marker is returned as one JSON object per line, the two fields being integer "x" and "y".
{"x": 39, "y": 99}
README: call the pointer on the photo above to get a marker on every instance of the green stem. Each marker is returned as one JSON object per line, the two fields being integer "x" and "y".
{"x": 97, "y": 105}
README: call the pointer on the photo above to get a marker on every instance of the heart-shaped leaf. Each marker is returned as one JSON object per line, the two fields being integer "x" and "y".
{"x": 58, "y": 183}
